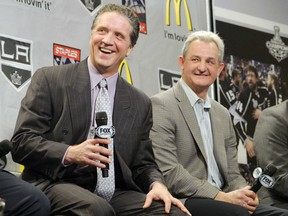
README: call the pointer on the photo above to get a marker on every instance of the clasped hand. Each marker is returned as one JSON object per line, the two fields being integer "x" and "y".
{"x": 89, "y": 153}
{"x": 244, "y": 197}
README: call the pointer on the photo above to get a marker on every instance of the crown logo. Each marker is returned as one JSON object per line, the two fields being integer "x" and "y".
{"x": 16, "y": 78}
{"x": 276, "y": 46}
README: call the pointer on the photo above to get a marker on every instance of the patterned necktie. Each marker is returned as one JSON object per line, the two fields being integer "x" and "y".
{"x": 105, "y": 185}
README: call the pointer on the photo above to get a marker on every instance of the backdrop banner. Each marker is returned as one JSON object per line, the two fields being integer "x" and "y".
{"x": 255, "y": 34}
{"x": 37, "y": 33}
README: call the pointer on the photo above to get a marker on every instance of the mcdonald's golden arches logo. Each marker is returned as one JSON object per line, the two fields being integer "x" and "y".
{"x": 124, "y": 65}
{"x": 177, "y": 8}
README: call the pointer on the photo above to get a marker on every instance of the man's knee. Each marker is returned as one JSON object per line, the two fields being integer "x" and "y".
{"x": 175, "y": 211}
{"x": 70, "y": 199}
{"x": 39, "y": 202}
{"x": 98, "y": 206}
{"x": 90, "y": 205}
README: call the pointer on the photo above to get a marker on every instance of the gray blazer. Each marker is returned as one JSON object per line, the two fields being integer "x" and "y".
{"x": 179, "y": 149}
{"x": 56, "y": 113}
{"x": 271, "y": 146}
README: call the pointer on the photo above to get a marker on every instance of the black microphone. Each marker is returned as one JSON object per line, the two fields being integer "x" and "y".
{"x": 5, "y": 147}
{"x": 264, "y": 178}
{"x": 104, "y": 131}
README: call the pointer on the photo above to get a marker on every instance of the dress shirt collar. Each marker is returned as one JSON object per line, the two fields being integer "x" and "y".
{"x": 193, "y": 98}
{"x": 96, "y": 77}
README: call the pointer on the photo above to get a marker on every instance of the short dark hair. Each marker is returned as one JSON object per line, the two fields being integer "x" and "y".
{"x": 235, "y": 73}
{"x": 252, "y": 69}
{"x": 125, "y": 11}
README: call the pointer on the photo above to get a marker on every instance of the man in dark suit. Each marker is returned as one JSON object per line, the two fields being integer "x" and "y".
{"x": 54, "y": 137}
{"x": 17, "y": 197}
{"x": 271, "y": 147}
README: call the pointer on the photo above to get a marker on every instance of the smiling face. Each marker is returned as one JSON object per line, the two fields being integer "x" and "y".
{"x": 110, "y": 42}
{"x": 201, "y": 66}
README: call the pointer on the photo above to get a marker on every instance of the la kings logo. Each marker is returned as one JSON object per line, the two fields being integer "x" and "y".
{"x": 167, "y": 79}
{"x": 15, "y": 60}
{"x": 91, "y": 5}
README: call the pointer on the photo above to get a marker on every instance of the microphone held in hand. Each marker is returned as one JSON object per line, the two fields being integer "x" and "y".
{"x": 264, "y": 178}
{"x": 103, "y": 131}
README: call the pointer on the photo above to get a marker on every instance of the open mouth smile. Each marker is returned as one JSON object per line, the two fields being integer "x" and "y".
{"x": 106, "y": 51}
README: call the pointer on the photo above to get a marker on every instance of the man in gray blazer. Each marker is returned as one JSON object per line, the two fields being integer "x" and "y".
{"x": 194, "y": 140}
{"x": 271, "y": 147}
{"x": 54, "y": 136}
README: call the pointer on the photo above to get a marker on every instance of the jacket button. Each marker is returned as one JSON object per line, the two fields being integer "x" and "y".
{"x": 65, "y": 131}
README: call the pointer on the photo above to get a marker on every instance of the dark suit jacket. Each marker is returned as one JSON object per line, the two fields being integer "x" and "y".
{"x": 56, "y": 113}
{"x": 271, "y": 147}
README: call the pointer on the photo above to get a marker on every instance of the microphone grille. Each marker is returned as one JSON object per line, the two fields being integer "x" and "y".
{"x": 101, "y": 118}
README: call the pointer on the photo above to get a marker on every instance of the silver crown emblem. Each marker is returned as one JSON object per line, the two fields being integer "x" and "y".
{"x": 276, "y": 46}
{"x": 16, "y": 78}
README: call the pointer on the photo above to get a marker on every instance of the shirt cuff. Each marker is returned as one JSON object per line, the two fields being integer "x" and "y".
{"x": 63, "y": 159}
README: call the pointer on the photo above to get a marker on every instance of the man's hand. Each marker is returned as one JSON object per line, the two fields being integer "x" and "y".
{"x": 250, "y": 148}
{"x": 89, "y": 153}
{"x": 243, "y": 197}
{"x": 256, "y": 113}
{"x": 160, "y": 192}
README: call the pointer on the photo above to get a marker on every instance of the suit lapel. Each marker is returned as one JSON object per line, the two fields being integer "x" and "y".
{"x": 123, "y": 119}
{"x": 190, "y": 117}
{"x": 218, "y": 140}
{"x": 78, "y": 93}
{"x": 123, "y": 114}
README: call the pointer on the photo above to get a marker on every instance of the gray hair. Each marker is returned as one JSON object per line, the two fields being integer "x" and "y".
{"x": 125, "y": 11}
{"x": 205, "y": 36}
